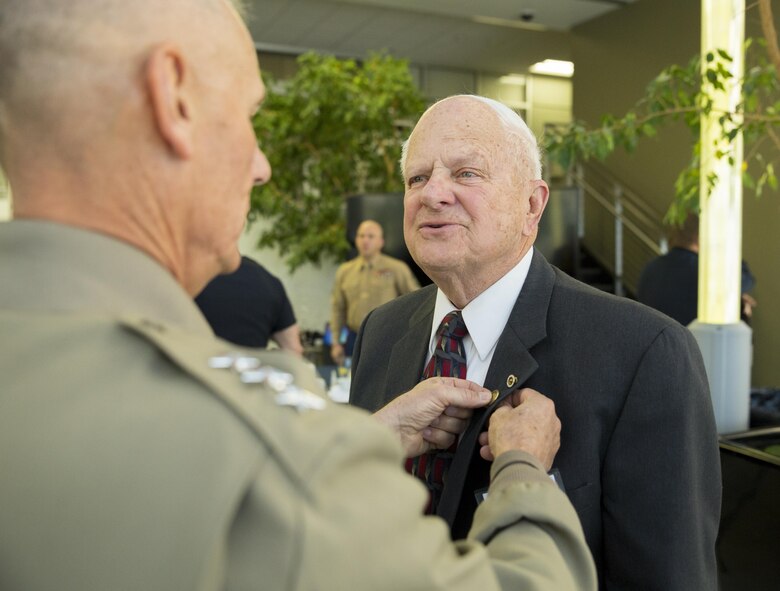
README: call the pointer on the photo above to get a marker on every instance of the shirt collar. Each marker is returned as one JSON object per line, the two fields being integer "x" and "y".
{"x": 487, "y": 314}
{"x": 364, "y": 264}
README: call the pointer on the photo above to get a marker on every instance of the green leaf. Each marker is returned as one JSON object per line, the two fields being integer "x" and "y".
{"x": 329, "y": 131}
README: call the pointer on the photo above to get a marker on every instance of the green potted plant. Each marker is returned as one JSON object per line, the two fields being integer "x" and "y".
{"x": 334, "y": 129}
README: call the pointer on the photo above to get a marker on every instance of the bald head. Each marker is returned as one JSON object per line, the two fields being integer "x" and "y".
{"x": 473, "y": 196}
{"x": 518, "y": 136}
{"x": 134, "y": 118}
{"x": 369, "y": 239}
{"x": 66, "y": 63}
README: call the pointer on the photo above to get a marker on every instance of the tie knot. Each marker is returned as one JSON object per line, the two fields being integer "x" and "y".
{"x": 453, "y": 325}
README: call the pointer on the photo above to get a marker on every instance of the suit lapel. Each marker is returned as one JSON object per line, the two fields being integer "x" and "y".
{"x": 407, "y": 358}
{"x": 527, "y": 326}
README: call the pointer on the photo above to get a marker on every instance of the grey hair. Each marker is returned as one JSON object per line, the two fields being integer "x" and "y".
{"x": 514, "y": 126}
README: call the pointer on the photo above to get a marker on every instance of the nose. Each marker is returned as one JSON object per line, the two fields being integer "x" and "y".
{"x": 261, "y": 168}
{"x": 437, "y": 190}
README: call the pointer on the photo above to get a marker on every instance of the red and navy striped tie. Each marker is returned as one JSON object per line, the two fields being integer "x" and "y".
{"x": 449, "y": 360}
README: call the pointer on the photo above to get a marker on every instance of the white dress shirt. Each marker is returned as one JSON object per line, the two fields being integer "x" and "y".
{"x": 485, "y": 317}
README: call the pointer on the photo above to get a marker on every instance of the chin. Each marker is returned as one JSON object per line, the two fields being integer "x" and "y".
{"x": 230, "y": 263}
{"x": 433, "y": 264}
{"x": 234, "y": 264}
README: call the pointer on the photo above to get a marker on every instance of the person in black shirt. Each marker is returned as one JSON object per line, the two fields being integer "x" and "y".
{"x": 249, "y": 307}
{"x": 670, "y": 283}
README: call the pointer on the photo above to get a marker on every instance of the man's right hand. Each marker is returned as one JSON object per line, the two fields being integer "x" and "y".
{"x": 433, "y": 413}
{"x": 525, "y": 422}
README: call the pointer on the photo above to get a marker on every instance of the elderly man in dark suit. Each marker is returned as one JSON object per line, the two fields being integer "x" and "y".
{"x": 639, "y": 456}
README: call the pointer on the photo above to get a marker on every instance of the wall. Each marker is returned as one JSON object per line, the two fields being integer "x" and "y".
{"x": 615, "y": 57}
{"x": 5, "y": 199}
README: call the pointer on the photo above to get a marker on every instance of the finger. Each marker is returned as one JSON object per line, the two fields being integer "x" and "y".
{"x": 484, "y": 451}
{"x": 523, "y": 395}
{"x": 450, "y": 424}
{"x": 437, "y": 438}
{"x": 459, "y": 383}
{"x": 484, "y": 438}
{"x": 471, "y": 397}
{"x": 458, "y": 412}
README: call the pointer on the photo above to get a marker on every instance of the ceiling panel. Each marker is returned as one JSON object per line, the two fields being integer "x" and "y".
{"x": 415, "y": 30}
{"x": 554, "y": 14}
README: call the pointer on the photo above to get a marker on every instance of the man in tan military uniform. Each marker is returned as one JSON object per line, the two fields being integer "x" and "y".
{"x": 364, "y": 283}
{"x": 138, "y": 451}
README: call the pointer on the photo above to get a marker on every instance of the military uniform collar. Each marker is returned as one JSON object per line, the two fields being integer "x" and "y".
{"x": 364, "y": 264}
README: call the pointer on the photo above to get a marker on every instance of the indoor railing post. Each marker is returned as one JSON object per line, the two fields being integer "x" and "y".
{"x": 618, "y": 194}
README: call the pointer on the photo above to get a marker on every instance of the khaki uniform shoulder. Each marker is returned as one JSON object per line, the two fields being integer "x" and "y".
{"x": 276, "y": 395}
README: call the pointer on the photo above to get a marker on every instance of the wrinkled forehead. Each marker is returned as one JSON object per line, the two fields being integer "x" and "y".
{"x": 458, "y": 125}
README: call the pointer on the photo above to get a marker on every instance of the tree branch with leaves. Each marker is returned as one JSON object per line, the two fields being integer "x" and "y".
{"x": 683, "y": 93}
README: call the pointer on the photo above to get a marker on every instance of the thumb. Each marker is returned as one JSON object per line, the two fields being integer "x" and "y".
{"x": 467, "y": 395}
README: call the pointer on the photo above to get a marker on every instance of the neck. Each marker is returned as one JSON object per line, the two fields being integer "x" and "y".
{"x": 462, "y": 286}
{"x": 370, "y": 259}
{"x": 125, "y": 214}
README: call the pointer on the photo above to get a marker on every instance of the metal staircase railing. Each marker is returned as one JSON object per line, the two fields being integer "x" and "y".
{"x": 612, "y": 210}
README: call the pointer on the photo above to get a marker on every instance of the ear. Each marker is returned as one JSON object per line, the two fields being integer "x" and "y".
{"x": 537, "y": 202}
{"x": 166, "y": 77}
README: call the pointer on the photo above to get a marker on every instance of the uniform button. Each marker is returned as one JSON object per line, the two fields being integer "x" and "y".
{"x": 493, "y": 396}
{"x": 511, "y": 381}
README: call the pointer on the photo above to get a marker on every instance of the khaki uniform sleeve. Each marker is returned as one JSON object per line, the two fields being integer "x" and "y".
{"x": 529, "y": 526}
{"x": 360, "y": 526}
{"x": 338, "y": 306}
{"x": 321, "y": 501}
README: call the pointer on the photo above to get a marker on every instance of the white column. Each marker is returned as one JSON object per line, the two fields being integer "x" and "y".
{"x": 724, "y": 340}
{"x": 720, "y": 231}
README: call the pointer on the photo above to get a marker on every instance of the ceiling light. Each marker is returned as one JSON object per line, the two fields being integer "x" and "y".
{"x": 553, "y": 68}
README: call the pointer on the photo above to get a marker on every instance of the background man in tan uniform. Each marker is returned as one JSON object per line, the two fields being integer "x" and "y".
{"x": 137, "y": 453}
{"x": 364, "y": 283}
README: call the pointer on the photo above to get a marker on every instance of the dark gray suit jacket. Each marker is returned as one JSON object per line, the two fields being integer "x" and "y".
{"x": 639, "y": 454}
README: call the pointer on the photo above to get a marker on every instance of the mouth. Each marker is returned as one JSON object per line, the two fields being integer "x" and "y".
{"x": 436, "y": 225}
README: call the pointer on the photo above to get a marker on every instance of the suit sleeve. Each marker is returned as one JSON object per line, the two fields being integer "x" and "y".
{"x": 360, "y": 526}
{"x": 664, "y": 446}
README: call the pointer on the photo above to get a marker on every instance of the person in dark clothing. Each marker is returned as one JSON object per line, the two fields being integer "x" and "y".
{"x": 670, "y": 283}
{"x": 249, "y": 307}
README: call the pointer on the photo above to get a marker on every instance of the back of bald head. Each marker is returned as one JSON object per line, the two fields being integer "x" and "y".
{"x": 67, "y": 66}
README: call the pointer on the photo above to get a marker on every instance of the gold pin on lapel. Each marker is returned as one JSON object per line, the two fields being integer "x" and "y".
{"x": 511, "y": 381}
{"x": 493, "y": 396}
